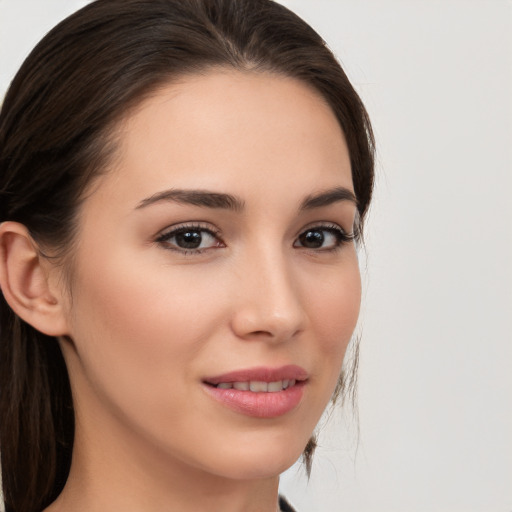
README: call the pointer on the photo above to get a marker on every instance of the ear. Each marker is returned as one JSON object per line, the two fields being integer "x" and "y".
{"x": 28, "y": 281}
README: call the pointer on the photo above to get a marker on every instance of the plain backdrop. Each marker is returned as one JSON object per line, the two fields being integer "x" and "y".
{"x": 435, "y": 380}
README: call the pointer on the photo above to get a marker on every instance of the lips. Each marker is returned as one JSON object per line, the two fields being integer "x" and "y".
{"x": 259, "y": 392}
{"x": 258, "y": 386}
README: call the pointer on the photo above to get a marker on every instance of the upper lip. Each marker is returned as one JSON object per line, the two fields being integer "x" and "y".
{"x": 261, "y": 374}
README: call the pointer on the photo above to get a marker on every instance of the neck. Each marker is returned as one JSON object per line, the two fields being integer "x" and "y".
{"x": 118, "y": 472}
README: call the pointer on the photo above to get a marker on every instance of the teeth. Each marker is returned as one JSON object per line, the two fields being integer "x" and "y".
{"x": 259, "y": 386}
{"x": 275, "y": 386}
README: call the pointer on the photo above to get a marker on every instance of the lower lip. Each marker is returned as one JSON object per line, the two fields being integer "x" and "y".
{"x": 259, "y": 405}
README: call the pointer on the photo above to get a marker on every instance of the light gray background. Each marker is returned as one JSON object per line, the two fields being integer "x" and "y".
{"x": 435, "y": 383}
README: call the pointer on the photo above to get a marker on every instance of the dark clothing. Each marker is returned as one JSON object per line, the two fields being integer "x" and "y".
{"x": 284, "y": 506}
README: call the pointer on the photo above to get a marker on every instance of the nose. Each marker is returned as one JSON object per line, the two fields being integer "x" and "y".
{"x": 268, "y": 304}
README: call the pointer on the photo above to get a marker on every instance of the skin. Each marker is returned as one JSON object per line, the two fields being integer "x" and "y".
{"x": 147, "y": 323}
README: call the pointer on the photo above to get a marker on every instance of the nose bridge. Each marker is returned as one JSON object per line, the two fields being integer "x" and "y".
{"x": 270, "y": 302}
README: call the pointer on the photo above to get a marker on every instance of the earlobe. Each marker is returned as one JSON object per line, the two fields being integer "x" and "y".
{"x": 25, "y": 281}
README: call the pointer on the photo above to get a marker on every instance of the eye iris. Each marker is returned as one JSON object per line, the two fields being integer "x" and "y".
{"x": 312, "y": 239}
{"x": 189, "y": 239}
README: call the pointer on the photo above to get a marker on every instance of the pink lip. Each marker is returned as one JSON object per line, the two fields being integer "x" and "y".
{"x": 263, "y": 404}
{"x": 261, "y": 373}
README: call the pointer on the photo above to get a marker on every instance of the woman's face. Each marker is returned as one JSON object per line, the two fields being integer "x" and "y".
{"x": 215, "y": 256}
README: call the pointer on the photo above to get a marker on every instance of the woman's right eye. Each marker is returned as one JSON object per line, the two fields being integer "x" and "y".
{"x": 190, "y": 239}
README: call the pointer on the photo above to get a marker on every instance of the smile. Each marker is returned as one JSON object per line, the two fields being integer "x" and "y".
{"x": 258, "y": 386}
{"x": 259, "y": 392}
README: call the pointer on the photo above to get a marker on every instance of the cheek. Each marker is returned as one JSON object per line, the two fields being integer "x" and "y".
{"x": 135, "y": 330}
{"x": 333, "y": 311}
{"x": 335, "y": 306}
{"x": 134, "y": 291}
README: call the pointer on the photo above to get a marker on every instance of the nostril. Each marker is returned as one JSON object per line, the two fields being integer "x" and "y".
{"x": 262, "y": 333}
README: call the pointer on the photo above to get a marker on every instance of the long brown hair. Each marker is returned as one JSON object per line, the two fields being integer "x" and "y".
{"x": 56, "y": 128}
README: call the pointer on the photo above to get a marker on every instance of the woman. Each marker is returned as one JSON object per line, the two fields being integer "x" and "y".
{"x": 182, "y": 185}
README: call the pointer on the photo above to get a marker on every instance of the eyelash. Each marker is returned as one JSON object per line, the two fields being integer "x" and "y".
{"x": 164, "y": 238}
{"x": 342, "y": 238}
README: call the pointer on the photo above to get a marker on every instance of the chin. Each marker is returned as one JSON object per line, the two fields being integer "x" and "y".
{"x": 259, "y": 459}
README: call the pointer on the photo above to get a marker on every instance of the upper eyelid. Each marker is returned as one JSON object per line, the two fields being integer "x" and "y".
{"x": 346, "y": 235}
{"x": 214, "y": 231}
{"x": 325, "y": 225}
{"x": 198, "y": 226}
{"x": 163, "y": 237}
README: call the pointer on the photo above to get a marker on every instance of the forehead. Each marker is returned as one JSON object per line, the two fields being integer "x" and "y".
{"x": 232, "y": 127}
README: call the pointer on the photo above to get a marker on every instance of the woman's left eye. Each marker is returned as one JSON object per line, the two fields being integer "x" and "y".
{"x": 190, "y": 239}
{"x": 323, "y": 238}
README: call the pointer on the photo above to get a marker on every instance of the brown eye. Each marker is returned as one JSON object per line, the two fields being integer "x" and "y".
{"x": 323, "y": 238}
{"x": 312, "y": 239}
{"x": 191, "y": 239}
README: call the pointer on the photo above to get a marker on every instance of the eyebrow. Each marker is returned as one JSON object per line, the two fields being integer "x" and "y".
{"x": 203, "y": 198}
{"x": 217, "y": 200}
{"x": 328, "y": 197}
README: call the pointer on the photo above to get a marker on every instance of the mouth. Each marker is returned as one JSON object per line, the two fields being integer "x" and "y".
{"x": 258, "y": 386}
{"x": 259, "y": 392}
